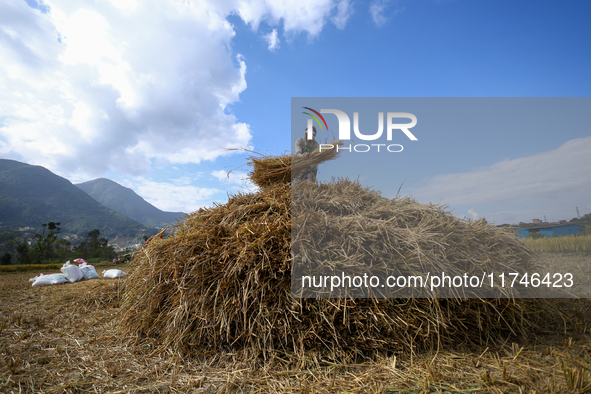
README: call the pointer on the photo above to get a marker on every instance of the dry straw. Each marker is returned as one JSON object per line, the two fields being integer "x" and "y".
{"x": 64, "y": 342}
{"x": 274, "y": 170}
{"x": 222, "y": 280}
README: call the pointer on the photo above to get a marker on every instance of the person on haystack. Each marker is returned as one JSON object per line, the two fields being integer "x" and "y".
{"x": 303, "y": 148}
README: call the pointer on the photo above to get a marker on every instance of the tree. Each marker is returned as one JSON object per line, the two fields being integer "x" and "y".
{"x": 94, "y": 234}
{"x": 22, "y": 251}
{"x": 44, "y": 244}
{"x": 6, "y": 259}
{"x": 93, "y": 241}
{"x": 63, "y": 246}
{"x": 9, "y": 242}
{"x": 95, "y": 246}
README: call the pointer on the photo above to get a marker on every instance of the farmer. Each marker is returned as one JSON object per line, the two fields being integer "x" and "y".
{"x": 303, "y": 148}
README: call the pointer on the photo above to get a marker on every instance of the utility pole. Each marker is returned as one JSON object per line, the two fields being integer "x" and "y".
{"x": 578, "y": 214}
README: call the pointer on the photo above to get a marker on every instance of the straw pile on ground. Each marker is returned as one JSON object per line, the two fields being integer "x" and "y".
{"x": 222, "y": 281}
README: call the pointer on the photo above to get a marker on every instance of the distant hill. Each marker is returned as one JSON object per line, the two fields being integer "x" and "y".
{"x": 32, "y": 195}
{"x": 126, "y": 201}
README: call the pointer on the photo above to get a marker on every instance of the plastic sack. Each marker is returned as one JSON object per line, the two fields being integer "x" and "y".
{"x": 88, "y": 271}
{"x": 46, "y": 280}
{"x": 113, "y": 273}
{"x": 72, "y": 272}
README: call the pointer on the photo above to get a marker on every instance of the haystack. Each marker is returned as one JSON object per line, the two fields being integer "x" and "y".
{"x": 222, "y": 280}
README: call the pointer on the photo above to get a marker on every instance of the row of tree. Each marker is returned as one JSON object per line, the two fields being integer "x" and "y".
{"x": 47, "y": 248}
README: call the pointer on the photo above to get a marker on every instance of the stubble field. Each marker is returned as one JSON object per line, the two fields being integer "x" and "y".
{"x": 64, "y": 338}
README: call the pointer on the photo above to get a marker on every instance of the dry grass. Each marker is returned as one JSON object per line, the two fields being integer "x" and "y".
{"x": 44, "y": 268}
{"x": 61, "y": 339}
{"x": 565, "y": 244}
{"x": 30, "y": 268}
{"x": 274, "y": 170}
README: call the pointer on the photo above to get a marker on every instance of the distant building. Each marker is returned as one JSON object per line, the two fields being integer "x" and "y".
{"x": 537, "y": 221}
{"x": 552, "y": 231}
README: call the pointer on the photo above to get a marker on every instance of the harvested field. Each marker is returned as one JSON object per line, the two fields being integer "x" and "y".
{"x": 209, "y": 308}
{"x": 578, "y": 264}
{"x": 61, "y": 339}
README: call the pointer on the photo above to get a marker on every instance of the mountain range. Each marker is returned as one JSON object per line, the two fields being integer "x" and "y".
{"x": 124, "y": 200}
{"x": 31, "y": 195}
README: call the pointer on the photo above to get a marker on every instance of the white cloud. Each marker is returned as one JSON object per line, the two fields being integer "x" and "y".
{"x": 473, "y": 213}
{"x": 307, "y": 16}
{"x": 173, "y": 197}
{"x": 120, "y": 88}
{"x": 272, "y": 40}
{"x": 380, "y": 8}
{"x": 553, "y": 175}
{"x": 90, "y": 87}
{"x": 344, "y": 12}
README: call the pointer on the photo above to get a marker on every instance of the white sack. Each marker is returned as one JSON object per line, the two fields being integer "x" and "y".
{"x": 88, "y": 271}
{"x": 46, "y": 280}
{"x": 113, "y": 273}
{"x": 72, "y": 272}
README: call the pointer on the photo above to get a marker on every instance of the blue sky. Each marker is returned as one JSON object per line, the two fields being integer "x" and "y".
{"x": 147, "y": 93}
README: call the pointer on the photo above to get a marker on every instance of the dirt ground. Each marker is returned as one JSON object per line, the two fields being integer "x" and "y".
{"x": 62, "y": 339}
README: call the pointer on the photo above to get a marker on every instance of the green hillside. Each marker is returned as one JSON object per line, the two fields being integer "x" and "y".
{"x": 124, "y": 200}
{"x": 31, "y": 195}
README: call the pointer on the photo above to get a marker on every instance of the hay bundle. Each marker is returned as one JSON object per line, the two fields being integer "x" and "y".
{"x": 273, "y": 170}
{"x": 222, "y": 280}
